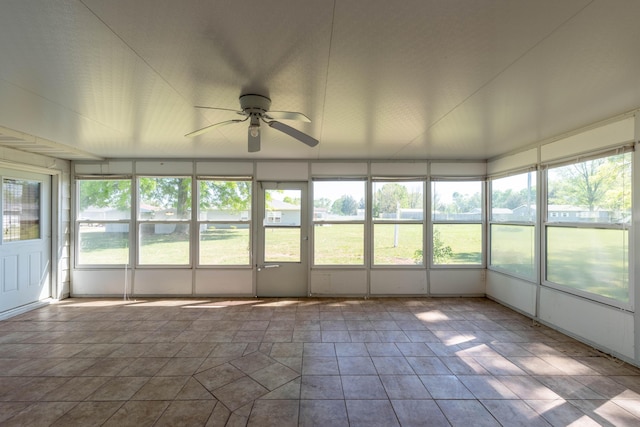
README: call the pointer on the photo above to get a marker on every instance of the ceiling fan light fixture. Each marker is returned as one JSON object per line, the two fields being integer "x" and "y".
{"x": 254, "y": 127}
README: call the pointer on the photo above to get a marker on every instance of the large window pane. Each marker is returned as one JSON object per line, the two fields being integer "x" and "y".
{"x": 338, "y": 200}
{"x": 513, "y": 248}
{"x": 339, "y": 244}
{"x": 398, "y": 201}
{"x": 103, "y": 244}
{"x": 224, "y": 222}
{"x": 225, "y": 244}
{"x": 104, "y": 213}
{"x": 514, "y": 198}
{"x": 223, "y": 200}
{"x": 164, "y": 198}
{"x": 589, "y": 259}
{"x": 104, "y": 199}
{"x": 457, "y": 244}
{"x": 164, "y": 244}
{"x": 457, "y": 228}
{"x": 597, "y": 191}
{"x": 593, "y": 257}
{"x": 456, "y": 201}
{"x": 21, "y": 210}
{"x": 397, "y": 244}
{"x": 338, "y": 216}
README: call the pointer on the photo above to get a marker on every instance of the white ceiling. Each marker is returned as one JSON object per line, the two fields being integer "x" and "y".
{"x": 380, "y": 79}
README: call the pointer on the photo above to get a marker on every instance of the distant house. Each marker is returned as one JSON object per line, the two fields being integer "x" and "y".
{"x": 282, "y": 213}
{"x": 524, "y": 212}
{"x": 214, "y": 214}
{"x": 103, "y": 214}
{"x": 472, "y": 216}
{"x": 502, "y": 214}
{"x": 567, "y": 213}
{"x": 404, "y": 213}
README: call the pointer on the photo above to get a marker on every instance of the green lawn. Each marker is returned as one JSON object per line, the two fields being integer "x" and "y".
{"x": 98, "y": 247}
{"x": 593, "y": 260}
{"x": 465, "y": 241}
{"x": 513, "y": 248}
{"x": 335, "y": 244}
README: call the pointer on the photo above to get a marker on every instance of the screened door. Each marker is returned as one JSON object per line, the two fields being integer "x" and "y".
{"x": 25, "y": 249}
{"x": 282, "y": 240}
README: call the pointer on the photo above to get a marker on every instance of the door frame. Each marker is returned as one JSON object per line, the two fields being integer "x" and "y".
{"x": 300, "y": 272}
{"x": 57, "y": 290}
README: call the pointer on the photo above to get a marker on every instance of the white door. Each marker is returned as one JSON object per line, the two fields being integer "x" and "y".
{"x": 282, "y": 240}
{"x": 25, "y": 248}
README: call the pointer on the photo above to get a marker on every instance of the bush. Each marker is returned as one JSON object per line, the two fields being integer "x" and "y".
{"x": 441, "y": 253}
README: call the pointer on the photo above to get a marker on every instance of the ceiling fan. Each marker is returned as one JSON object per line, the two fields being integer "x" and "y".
{"x": 256, "y": 108}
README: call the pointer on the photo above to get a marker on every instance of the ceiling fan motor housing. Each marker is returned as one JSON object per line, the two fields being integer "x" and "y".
{"x": 252, "y": 104}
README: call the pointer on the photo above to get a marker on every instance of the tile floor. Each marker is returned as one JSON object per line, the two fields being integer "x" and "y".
{"x": 287, "y": 362}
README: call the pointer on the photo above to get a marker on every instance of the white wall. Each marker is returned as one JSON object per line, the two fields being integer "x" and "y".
{"x": 512, "y": 291}
{"x": 600, "y": 325}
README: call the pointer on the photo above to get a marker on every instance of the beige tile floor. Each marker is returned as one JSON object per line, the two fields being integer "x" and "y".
{"x": 282, "y": 362}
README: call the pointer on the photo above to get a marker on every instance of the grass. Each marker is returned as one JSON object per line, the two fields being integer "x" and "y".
{"x": 335, "y": 244}
{"x": 592, "y": 260}
{"x": 465, "y": 241}
{"x": 339, "y": 244}
{"x": 513, "y": 249}
{"x": 387, "y": 252}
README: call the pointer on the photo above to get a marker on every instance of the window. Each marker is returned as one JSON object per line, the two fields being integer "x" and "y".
{"x": 224, "y": 212}
{"x": 512, "y": 224}
{"x": 457, "y": 222}
{"x": 398, "y": 222}
{"x": 338, "y": 219}
{"x": 282, "y": 225}
{"x": 164, "y": 214}
{"x": 587, "y": 227}
{"x": 102, "y": 221}
{"x": 20, "y": 210}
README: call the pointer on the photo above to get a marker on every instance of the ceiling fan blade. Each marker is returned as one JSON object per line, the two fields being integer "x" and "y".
{"x": 210, "y": 127}
{"x": 254, "y": 142}
{"x": 216, "y": 108}
{"x": 300, "y": 136}
{"x": 287, "y": 115}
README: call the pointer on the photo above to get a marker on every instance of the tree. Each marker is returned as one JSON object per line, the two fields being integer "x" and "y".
{"x": 102, "y": 193}
{"x": 511, "y": 200}
{"x": 345, "y": 205}
{"x": 388, "y": 197}
{"x": 322, "y": 203}
{"x": 232, "y": 196}
{"x": 463, "y": 202}
{"x": 618, "y": 197}
{"x": 441, "y": 252}
{"x": 292, "y": 200}
{"x": 590, "y": 184}
{"x": 415, "y": 200}
{"x": 167, "y": 193}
